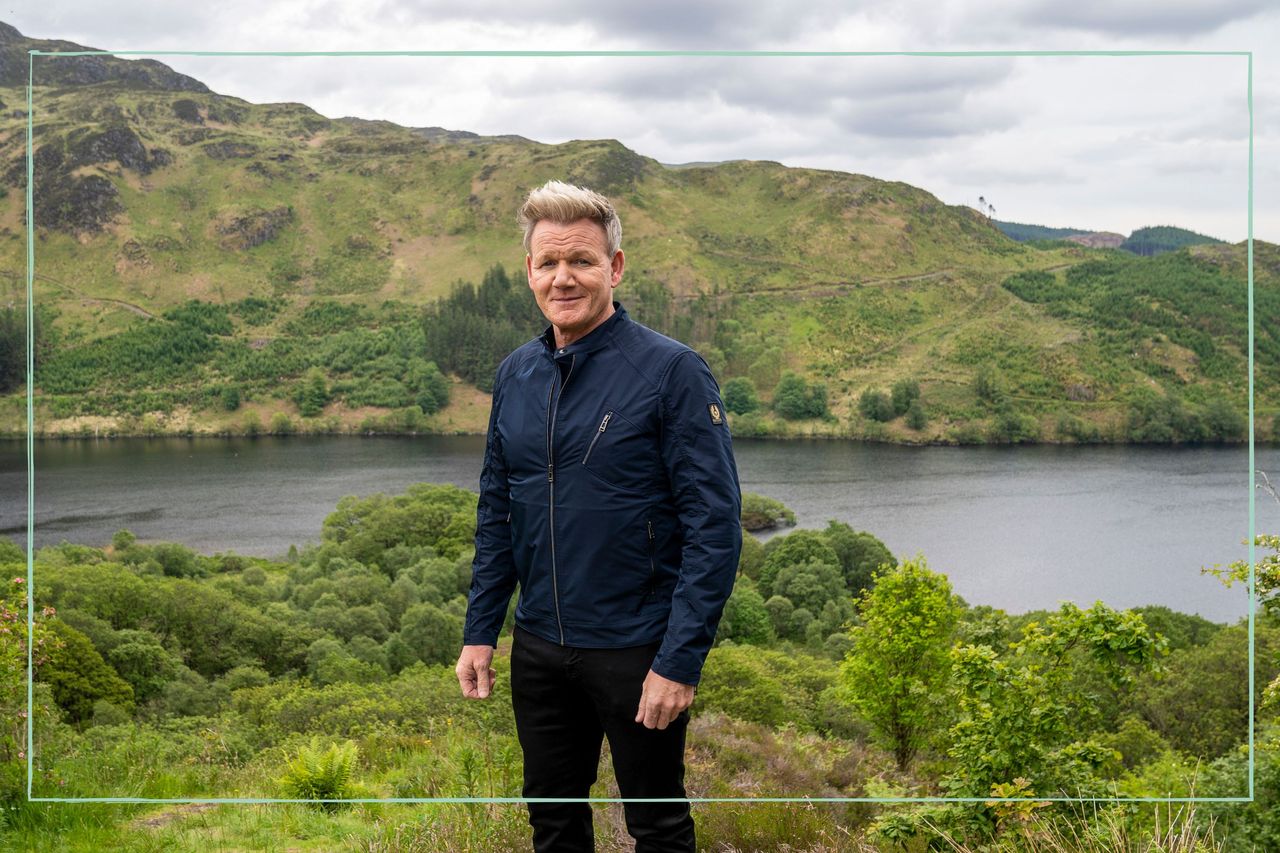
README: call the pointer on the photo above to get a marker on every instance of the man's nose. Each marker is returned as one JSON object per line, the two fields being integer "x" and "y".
{"x": 563, "y": 276}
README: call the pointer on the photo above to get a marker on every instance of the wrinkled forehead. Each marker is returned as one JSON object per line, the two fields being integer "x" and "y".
{"x": 579, "y": 236}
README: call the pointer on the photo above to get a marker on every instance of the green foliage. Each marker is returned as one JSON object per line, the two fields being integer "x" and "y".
{"x": 1022, "y": 232}
{"x": 434, "y": 635}
{"x": 810, "y": 584}
{"x": 796, "y": 399}
{"x": 763, "y": 513}
{"x": 13, "y": 345}
{"x": 750, "y": 558}
{"x": 1254, "y": 825}
{"x": 796, "y": 548}
{"x": 905, "y": 392}
{"x": 1156, "y": 240}
{"x": 1180, "y": 630}
{"x": 473, "y": 329}
{"x": 1201, "y": 707}
{"x": 229, "y": 396}
{"x": 312, "y": 393}
{"x": 860, "y": 554}
{"x": 895, "y": 674}
{"x": 151, "y": 353}
{"x": 1013, "y": 427}
{"x": 1223, "y": 422}
{"x": 989, "y": 385}
{"x": 1157, "y": 419}
{"x": 207, "y": 317}
{"x": 875, "y": 405}
{"x": 319, "y": 773}
{"x": 766, "y": 686}
{"x": 439, "y": 517}
{"x": 1021, "y": 713}
{"x": 78, "y": 676}
{"x": 916, "y": 418}
{"x": 143, "y": 662}
{"x": 745, "y": 619}
{"x": 324, "y": 317}
{"x": 256, "y": 311}
{"x": 740, "y": 396}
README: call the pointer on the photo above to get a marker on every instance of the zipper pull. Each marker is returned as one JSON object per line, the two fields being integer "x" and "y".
{"x": 604, "y": 424}
{"x": 649, "y": 524}
{"x": 551, "y": 473}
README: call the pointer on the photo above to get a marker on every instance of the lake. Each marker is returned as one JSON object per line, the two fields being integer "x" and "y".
{"x": 1014, "y": 527}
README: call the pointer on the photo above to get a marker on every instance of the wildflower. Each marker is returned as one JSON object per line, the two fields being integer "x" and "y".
{"x": 19, "y": 580}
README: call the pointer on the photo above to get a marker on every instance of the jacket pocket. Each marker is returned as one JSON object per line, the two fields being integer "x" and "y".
{"x": 604, "y": 425}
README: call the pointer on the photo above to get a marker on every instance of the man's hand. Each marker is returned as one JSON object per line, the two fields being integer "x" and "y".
{"x": 474, "y": 673}
{"x": 662, "y": 700}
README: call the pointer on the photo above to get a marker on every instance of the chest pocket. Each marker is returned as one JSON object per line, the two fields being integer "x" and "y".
{"x": 623, "y": 454}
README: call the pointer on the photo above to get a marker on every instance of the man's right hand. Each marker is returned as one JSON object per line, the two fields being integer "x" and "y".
{"x": 475, "y": 675}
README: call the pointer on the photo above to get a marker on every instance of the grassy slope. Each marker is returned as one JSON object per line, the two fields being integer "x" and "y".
{"x": 859, "y": 282}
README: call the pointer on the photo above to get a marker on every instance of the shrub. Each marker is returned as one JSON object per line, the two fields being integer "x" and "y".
{"x": 795, "y": 399}
{"x": 875, "y": 405}
{"x": 905, "y": 392}
{"x": 740, "y": 396}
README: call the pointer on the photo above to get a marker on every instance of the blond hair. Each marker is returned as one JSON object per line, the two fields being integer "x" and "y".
{"x": 563, "y": 203}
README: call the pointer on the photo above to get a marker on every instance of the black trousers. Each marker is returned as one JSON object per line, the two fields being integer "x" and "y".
{"x": 566, "y": 700}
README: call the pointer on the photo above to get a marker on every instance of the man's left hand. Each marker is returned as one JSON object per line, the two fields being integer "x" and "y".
{"x": 662, "y": 700}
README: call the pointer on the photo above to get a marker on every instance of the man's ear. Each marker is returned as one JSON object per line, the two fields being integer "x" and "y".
{"x": 615, "y": 266}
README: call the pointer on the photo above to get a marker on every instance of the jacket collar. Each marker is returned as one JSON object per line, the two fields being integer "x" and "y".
{"x": 596, "y": 338}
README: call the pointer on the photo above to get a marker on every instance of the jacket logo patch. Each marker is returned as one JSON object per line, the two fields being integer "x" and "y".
{"x": 716, "y": 417}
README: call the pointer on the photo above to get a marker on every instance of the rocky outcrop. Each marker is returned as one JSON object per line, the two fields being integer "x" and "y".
{"x": 246, "y": 230}
{"x": 82, "y": 70}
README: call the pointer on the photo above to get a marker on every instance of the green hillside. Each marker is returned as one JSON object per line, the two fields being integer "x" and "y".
{"x": 1022, "y": 232}
{"x": 208, "y": 265}
{"x": 1159, "y": 239}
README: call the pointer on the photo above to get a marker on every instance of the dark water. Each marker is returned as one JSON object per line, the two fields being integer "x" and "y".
{"x": 1017, "y": 528}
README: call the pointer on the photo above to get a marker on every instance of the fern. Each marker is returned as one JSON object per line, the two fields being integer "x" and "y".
{"x": 319, "y": 773}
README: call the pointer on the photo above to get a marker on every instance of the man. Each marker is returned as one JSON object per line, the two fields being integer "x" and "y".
{"x": 609, "y": 493}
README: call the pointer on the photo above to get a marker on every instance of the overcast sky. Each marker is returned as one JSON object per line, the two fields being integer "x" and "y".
{"x": 1098, "y": 142}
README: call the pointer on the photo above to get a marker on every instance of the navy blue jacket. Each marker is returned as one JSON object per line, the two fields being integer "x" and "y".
{"x": 609, "y": 492}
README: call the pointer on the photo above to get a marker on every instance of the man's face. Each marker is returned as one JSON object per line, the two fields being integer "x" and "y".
{"x": 572, "y": 276}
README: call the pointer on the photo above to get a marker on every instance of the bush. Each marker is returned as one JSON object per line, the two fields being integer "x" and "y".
{"x": 281, "y": 424}
{"x": 740, "y": 396}
{"x": 989, "y": 385}
{"x": 1011, "y": 427}
{"x": 795, "y": 399}
{"x": 916, "y": 418}
{"x": 796, "y": 548}
{"x": 230, "y": 397}
{"x": 875, "y": 405}
{"x": 745, "y": 618}
{"x": 905, "y": 392}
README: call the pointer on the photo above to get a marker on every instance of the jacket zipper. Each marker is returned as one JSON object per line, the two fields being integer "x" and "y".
{"x": 604, "y": 424}
{"x": 553, "y": 405}
{"x": 653, "y": 570}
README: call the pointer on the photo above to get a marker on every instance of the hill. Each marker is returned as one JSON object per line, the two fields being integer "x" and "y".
{"x": 206, "y": 264}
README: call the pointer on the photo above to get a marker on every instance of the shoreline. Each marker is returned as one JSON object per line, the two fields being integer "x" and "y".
{"x": 819, "y": 436}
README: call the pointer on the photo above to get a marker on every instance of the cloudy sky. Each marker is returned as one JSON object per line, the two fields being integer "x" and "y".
{"x": 1101, "y": 142}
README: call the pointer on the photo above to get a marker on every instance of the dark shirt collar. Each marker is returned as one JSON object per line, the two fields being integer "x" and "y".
{"x": 596, "y": 338}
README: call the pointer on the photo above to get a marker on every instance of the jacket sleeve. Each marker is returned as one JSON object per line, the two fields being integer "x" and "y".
{"x": 698, "y": 455}
{"x": 493, "y": 572}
